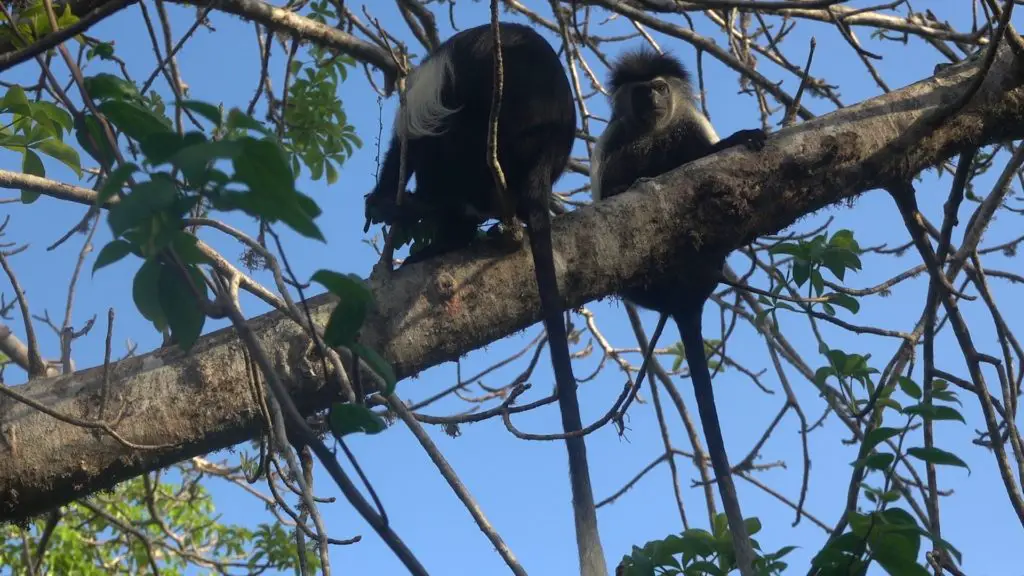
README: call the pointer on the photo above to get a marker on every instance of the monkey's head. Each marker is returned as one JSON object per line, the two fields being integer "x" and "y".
{"x": 649, "y": 90}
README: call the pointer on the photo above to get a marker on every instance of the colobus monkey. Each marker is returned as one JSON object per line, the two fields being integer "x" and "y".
{"x": 656, "y": 127}
{"x": 445, "y": 121}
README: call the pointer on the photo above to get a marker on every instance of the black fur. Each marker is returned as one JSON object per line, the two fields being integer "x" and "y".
{"x": 455, "y": 193}
{"x": 634, "y": 148}
{"x": 643, "y": 64}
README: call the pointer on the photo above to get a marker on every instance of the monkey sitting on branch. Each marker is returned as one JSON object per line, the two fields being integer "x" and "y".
{"x": 655, "y": 127}
{"x": 445, "y": 123}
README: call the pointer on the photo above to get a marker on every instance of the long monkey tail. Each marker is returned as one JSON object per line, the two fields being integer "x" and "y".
{"x": 690, "y": 330}
{"x": 588, "y": 540}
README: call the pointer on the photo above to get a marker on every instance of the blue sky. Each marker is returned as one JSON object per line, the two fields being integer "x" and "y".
{"x": 523, "y": 487}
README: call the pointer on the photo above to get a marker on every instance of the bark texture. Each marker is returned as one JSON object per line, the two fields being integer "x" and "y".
{"x": 435, "y": 311}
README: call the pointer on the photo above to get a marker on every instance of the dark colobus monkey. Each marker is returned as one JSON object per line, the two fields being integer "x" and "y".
{"x": 445, "y": 121}
{"x": 656, "y": 127}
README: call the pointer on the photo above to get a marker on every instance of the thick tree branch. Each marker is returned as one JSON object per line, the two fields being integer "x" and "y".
{"x": 93, "y": 11}
{"x": 437, "y": 310}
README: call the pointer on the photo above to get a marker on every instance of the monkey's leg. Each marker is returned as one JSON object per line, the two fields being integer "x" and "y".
{"x": 690, "y": 330}
{"x": 752, "y": 139}
{"x": 382, "y": 203}
{"x": 588, "y": 540}
{"x": 507, "y": 236}
{"x": 449, "y": 234}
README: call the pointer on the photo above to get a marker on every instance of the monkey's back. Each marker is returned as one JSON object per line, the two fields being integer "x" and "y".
{"x": 537, "y": 113}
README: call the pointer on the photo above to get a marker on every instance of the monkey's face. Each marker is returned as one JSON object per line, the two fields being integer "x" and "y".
{"x": 648, "y": 104}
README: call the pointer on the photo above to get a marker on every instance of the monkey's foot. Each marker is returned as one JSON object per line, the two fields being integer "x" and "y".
{"x": 751, "y": 139}
{"x": 507, "y": 238}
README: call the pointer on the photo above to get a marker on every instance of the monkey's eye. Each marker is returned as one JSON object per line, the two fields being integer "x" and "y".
{"x": 661, "y": 88}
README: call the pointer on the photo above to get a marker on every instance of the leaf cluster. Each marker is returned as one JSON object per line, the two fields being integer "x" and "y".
{"x": 697, "y": 552}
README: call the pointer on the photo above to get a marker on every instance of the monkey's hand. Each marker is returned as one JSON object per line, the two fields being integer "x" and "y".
{"x": 751, "y": 139}
{"x": 382, "y": 208}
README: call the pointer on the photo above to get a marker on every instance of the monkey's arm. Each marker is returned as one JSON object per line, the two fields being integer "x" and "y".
{"x": 382, "y": 203}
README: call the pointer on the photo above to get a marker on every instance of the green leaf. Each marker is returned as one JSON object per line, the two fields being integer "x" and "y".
{"x": 801, "y": 271}
{"x": 61, "y": 151}
{"x": 888, "y": 402}
{"x": 193, "y": 160}
{"x": 186, "y": 246}
{"x": 161, "y": 146}
{"x": 909, "y": 387}
{"x": 946, "y": 396}
{"x": 786, "y": 248}
{"x": 115, "y": 182}
{"x": 146, "y": 293}
{"x": 307, "y": 204}
{"x": 703, "y": 537}
{"x": 15, "y": 142}
{"x": 822, "y": 374}
{"x": 781, "y": 553}
{"x": 15, "y": 101}
{"x": 379, "y": 365}
{"x": 112, "y": 252}
{"x": 105, "y": 86}
{"x": 134, "y": 120}
{"x": 105, "y": 50}
{"x": 89, "y": 134}
{"x": 44, "y": 124}
{"x": 349, "y": 418}
{"x": 753, "y": 525}
{"x": 891, "y": 496}
{"x": 32, "y": 164}
{"x": 844, "y": 239}
{"x": 299, "y": 220}
{"x": 145, "y": 199}
{"x": 263, "y": 167}
{"x": 664, "y": 550}
{"x": 204, "y": 109}
{"x": 850, "y": 541}
{"x": 934, "y": 412}
{"x": 56, "y": 114}
{"x": 900, "y": 519}
{"x": 846, "y": 301}
{"x": 638, "y": 563}
{"x": 860, "y": 523}
{"x": 350, "y": 312}
{"x": 67, "y": 17}
{"x": 238, "y": 120}
{"x": 835, "y": 264}
{"x": 817, "y": 282}
{"x": 890, "y": 555}
{"x": 178, "y": 301}
{"x": 36, "y": 132}
{"x": 704, "y": 567}
{"x": 332, "y": 173}
{"x": 878, "y": 461}
{"x": 896, "y": 542}
{"x": 876, "y": 437}
{"x": 937, "y": 456}
{"x": 721, "y": 526}
{"x": 938, "y": 541}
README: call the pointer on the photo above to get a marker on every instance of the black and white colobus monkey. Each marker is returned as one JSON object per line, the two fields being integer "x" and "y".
{"x": 445, "y": 121}
{"x": 656, "y": 127}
